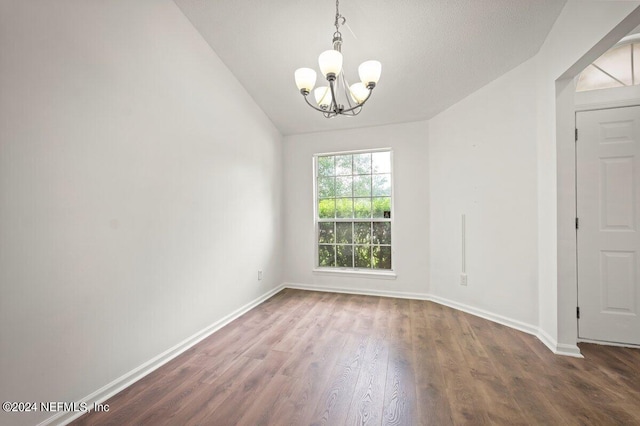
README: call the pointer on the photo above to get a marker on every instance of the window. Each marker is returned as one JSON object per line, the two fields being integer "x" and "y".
{"x": 619, "y": 67}
{"x": 353, "y": 213}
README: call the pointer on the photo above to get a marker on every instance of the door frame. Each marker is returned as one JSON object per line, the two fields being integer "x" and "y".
{"x": 560, "y": 294}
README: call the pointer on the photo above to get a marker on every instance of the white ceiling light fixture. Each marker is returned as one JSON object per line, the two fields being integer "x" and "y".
{"x": 338, "y": 98}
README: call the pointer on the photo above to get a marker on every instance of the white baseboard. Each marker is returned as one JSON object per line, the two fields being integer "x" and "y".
{"x": 518, "y": 325}
{"x": 552, "y": 344}
{"x": 512, "y": 323}
{"x": 607, "y": 343}
{"x": 558, "y": 348}
{"x": 138, "y": 373}
{"x": 362, "y": 291}
{"x": 568, "y": 350}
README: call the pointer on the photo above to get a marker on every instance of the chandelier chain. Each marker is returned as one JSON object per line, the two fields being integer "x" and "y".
{"x": 340, "y": 20}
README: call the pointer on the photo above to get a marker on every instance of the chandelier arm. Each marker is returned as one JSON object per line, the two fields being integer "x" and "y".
{"x": 311, "y": 105}
{"x": 352, "y": 113}
{"x": 347, "y": 91}
{"x": 360, "y": 104}
{"x": 334, "y": 101}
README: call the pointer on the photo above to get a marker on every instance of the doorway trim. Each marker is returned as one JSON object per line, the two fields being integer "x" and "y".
{"x": 567, "y": 281}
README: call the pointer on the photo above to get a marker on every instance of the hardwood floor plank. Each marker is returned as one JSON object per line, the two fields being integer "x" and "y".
{"x": 488, "y": 378}
{"x": 314, "y": 345}
{"x": 284, "y": 326}
{"x": 313, "y": 358}
{"x": 368, "y": 397}
{"x": 433, "y": 407}
{"x": 264, "y": 408}
{"x": 211, "y": 396}
{"x": 241, "y": 397}
{"x": 466, "y": 406}
{"x": 316, "y": 316}
{"x": 300, "y": 406}
{"x": 334, "y": 403}
{"x": 523, "y": 389}
{"x": 400, "y": 389}
{"x": 401, "y": 329}
{"x": 166, "y": 410}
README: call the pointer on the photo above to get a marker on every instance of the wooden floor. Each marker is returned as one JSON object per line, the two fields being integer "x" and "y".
{"x": 309, "y": 358}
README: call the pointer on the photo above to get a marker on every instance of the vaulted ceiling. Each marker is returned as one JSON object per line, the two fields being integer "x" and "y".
{"x": 433, "y": 52}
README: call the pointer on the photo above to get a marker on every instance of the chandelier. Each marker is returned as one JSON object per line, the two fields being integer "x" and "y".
{"x": 338, "y": 98}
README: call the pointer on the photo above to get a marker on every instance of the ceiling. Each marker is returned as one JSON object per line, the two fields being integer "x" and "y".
{"x": 433, "y": 52}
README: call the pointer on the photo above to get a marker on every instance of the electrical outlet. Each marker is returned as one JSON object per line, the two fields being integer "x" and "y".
{"x": 463, "y": 279}
{"x": 259, "y": 275}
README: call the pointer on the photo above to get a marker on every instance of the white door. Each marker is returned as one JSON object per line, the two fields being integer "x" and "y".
{"x": 608, "y": 236}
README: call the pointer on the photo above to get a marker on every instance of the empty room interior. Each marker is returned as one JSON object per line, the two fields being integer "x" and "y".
{"x": 218, "y": 212}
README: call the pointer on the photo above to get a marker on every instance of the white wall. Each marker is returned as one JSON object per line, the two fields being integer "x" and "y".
{"x": 411, "y": 206}
{"x": 482, "y": 163}
{"x": 140, "y": 191}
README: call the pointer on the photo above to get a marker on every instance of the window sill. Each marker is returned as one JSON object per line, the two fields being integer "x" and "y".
{"x": 383, "y": 275}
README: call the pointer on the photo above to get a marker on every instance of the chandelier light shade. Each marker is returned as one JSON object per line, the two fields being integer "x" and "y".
{"x": 323, "y": 97}
{"x": 330, "y": 62}
{"x": 369, "y": 72}
{"x": 338, "y": 98}
{"x": 305, "y": 79}
{"x": 359, "y": 92}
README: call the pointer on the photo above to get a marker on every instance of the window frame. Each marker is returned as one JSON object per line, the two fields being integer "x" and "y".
{"x": 353, "y": 271}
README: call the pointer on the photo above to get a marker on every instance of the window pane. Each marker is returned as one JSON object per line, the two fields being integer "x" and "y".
{"x": 326, "y": 187}
{"x": 613, "y": 69}
{"x": 326, "y": 255}
{"x": 362, "y": 207}
{"x": 344, "y": 207}
{"x": 326, "y": 166}
{"x": 592, "y": 78}
{"x": 381, "y": 205}
{"x": 362, "y": 186}
{"x": 327, "y": 208}
{"x": 362, "y": 232}
{"x": 382, "y": 184}
{"x": 343, "y": 186}
{"x": 381, "y": 162}
{"x": 381, "y": 258}
{"x": 343, "y": 165}
{"x": 382, "y": 233}
{"x": 325, "y": 233}
{"x": 617, "y": 63}
{"x": 363, "y": 257}
{"x": 344, "y": 254}
{"x": 344, "y": 233}
{"x": 362, "y": 164}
